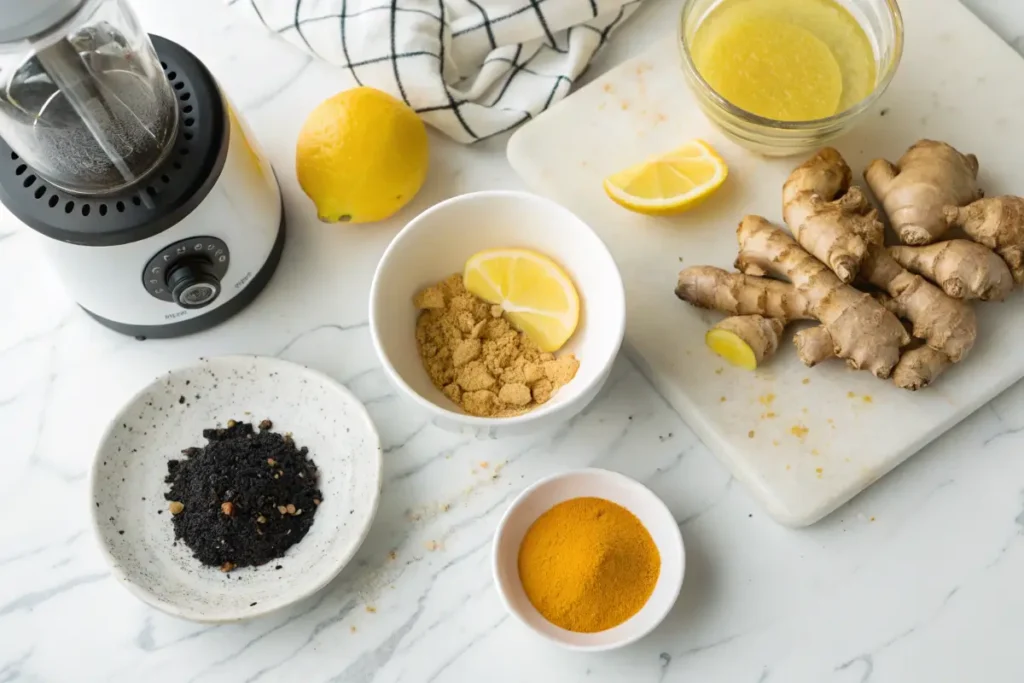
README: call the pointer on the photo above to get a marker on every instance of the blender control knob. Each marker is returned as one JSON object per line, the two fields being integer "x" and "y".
{"x": 193, "y": 283}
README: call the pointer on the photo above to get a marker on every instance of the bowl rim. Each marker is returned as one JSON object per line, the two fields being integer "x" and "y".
{"x": 342, "y": 561}
{"x": 460, "y": 417}
{"x": 811, "y": 125}
{"x": 626, "y": 482}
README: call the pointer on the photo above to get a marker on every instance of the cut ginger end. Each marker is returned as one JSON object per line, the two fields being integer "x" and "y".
{"x": 729, "y": 346}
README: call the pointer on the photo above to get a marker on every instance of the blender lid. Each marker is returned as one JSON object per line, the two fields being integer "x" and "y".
{"x": 23, "y": 19}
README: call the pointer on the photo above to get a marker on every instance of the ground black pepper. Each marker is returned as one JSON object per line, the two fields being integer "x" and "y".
{"x": 245, "y": 498}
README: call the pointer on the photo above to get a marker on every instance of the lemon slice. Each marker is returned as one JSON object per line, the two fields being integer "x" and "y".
{"x": 671, "y": 183}
{"x": 536, "y": 294}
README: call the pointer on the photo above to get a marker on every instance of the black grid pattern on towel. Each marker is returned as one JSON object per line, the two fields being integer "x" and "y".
{"x": 518, "y": 65}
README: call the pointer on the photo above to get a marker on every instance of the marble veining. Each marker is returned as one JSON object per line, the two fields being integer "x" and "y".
{"x": 918, "y": 579}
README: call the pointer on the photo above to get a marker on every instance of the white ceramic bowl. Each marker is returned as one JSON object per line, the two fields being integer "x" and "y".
{"x": 620, "y": 489}
{"x": 438, "y": 243}
{"x": 130, "y": 515}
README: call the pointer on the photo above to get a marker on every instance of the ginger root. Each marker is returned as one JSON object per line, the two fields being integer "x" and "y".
{"x": 964, "y": 269}
{"x": 863, "y": 332}
{"x": 914, "y": 192}
{"x": 837, "y": 239}
{"x": 822, "y": 224}
{"x": 814, "y": 345}
{"x": 919, "y": 367}
{"x": 920, "y": 364}
{"x": 946, "y": 324}
{"x": 997, "y": 223}
{"x": 746, "y": 295}
{"x": 741, "y": 295}
{"x": 745, "y": 340}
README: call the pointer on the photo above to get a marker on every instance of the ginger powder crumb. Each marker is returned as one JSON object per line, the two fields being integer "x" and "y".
{"x": 477, "y": 358}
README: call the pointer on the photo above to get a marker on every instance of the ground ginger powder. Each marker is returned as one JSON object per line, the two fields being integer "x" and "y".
{"x": 588, "y": 565}
{"x": 478, "y": 360}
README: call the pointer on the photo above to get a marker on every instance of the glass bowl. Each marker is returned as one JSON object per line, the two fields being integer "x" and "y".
{"x": 883, "y": 24}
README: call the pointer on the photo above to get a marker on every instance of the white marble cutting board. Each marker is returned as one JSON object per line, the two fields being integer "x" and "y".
{"x": 957, "y": 82}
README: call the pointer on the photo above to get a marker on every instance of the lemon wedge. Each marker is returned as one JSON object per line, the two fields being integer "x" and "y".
{"x": 536, "y": 294}
{"x": 671, "y": 183}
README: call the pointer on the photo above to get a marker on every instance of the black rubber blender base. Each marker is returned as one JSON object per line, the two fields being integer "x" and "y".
{"x": 214, "y": 317}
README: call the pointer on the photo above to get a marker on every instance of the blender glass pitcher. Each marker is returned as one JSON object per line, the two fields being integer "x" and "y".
{"x": 83, "y": 97}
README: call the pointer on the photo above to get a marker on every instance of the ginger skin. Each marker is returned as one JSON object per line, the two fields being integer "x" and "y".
{"x": 919, "y": 367}
{"x": 819, "y": 221}
{"x": 944, "y": 323}
{"x": 814, "y": 345}
{"x": 920, "y": 364}
{"x": 964, "y": 269}
{"x": 914, "y": 192}
{"x": 741, "y": 295}
{"x": 863, "y": 332}
{"x": 997, "y": 223}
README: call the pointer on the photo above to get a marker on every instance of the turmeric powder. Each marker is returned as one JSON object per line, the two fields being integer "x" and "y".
{"x": 588, "y": 565}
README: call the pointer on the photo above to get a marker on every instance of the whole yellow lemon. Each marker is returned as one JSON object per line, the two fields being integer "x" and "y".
{"x": 361, "y": 156}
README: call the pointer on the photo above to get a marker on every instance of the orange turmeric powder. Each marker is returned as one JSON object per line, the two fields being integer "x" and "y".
{"x": 588, "y": 565}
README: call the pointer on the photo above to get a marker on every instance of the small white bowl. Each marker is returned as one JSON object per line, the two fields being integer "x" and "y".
{"x": 617, "y": 488}
{"x": 438, "y": 243}
{"x": 131, "y": 518}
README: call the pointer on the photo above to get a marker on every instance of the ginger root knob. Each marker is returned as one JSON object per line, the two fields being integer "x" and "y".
{"x": 745, "y": 340}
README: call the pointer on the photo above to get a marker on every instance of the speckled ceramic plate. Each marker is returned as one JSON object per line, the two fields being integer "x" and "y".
{"x": 130, "y": 514}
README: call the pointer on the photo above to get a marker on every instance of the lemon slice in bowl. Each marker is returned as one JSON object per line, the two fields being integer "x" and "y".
{"x": 670, "y": 183}
{"x": 536, "y": 294}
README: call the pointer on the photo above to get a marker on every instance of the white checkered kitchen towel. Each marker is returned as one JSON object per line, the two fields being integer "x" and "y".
{"x": 470, "y": 68}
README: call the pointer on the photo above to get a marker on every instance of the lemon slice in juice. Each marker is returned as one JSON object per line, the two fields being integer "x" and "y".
{"x": 774, "y": 69}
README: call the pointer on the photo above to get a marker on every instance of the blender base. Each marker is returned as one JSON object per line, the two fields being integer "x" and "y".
{"x": 214, "y": 317}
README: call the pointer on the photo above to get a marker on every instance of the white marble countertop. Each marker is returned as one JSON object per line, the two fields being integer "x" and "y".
{"x": 918, "y": 579}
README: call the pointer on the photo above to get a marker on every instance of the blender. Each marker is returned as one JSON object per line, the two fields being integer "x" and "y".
{"x": 158, "y": 209}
